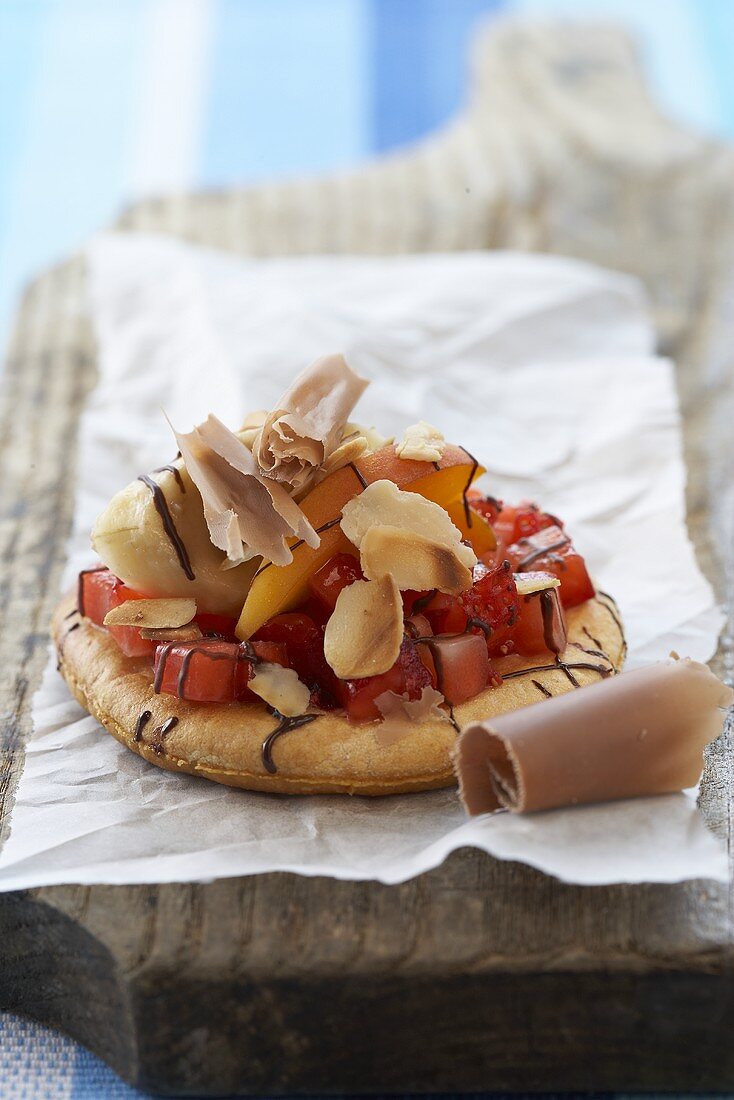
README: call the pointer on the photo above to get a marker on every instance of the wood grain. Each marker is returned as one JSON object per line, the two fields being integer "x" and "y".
{"x": 479, "y": 975}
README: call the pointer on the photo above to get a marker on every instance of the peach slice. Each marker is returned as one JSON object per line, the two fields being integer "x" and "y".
{"x": 479, "y": 534}
{"x": 276, "y": 589}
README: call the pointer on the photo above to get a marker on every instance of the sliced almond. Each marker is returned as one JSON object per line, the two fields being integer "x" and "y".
{"x": 347, "y": 451}
{"x": 402, "y": 716}
{"x": 421, "y": 442}
{"x": 375, "y": 440}
{"x": 281, "y": 688}
{"x": 189, "y": 633}
{"x": 414, "y": 562}
{"x": 383, "y": 504}
{"x": 365, "y": 631}
{"x": 152, "y": 614}
{"x": 527, "y": 583}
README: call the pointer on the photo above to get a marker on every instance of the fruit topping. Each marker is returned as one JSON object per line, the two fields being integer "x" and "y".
{"x": 363, "y": 635}
{"x": 277, "y": 590}
{"x": 462, "y": 666}
{"x": 328, "y": 581}
{"x": 304, "y": 644}
{"x": 550, "y": 550}
{"x": 99, "y": 592}
{"x": 212, "y": 671}
{"x": 408, "y": 676}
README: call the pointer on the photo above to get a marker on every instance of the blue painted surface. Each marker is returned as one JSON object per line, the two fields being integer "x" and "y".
{"x": 420, "y": 64}
{"x": 281, "y": 86}
{"x": 289, "y": 89}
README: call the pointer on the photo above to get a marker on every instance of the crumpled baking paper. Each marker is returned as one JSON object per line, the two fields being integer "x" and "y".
{"x": 544, "y": 368}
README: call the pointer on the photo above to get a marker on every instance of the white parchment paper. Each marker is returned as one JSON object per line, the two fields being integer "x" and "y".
{"x": 544, "y": 368}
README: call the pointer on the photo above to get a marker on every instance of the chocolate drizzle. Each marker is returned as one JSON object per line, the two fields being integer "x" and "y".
{"x": 71, "y": 614}
{"x": 542, "y": 689}
{"x": 319, "y": 531}
{"x": 452, "y": 718}
{"x": 161, "y": 507}
{"x": 423, "y": 602}
{"x": 591, "y": 638}
{"x": 358, "y": 474}
{"x": 245, "y": 652}
{"x": 548, "y": 605}
{"x": 566, "y": 667}
{"x": 143, "y": 718}
{"x": 285, "y": 725}
{"x": 472, "y": 475}
{"x": 176, "y": 473}
{"x": 159, "y": 735}
{"x": 611, "y": 609}
{"x": 541, "y": 552}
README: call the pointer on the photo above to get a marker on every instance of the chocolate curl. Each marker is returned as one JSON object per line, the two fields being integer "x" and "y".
{"x": 640, "y": 733}
{"x": 307, "y": 424}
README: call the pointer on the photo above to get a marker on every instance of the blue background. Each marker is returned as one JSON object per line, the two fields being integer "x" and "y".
{"x": 103, "y": 101}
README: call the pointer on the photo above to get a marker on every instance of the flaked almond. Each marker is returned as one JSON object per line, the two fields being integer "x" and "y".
{"x": 152, "y": 614}
{"x": 281, "y": 688}
{"x": 402, "y": 716}
{"x": 364, "y": 633}
{"x": 382, "y": 504}
{"x": 414, "y": 562}
{"x": 189, "y": 633}
{"x": 375, "y": 440}
{"x": 527, "y": 583}
{"x": 251, "y": 426}
{"x": 421, "y": 442}
{"x": 348, "y": 450}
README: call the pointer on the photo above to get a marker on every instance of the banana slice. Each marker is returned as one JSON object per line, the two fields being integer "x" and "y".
{"x": 153, "y": 536}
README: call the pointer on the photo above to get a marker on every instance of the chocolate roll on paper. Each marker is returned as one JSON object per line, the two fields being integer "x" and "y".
{"x": 639, "y": 733}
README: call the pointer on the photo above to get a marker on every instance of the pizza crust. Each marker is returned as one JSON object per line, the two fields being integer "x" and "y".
{"x": 223, "y": 742}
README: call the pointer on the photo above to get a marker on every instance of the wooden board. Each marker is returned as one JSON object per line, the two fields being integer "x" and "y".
{"x": 480, "y": 975}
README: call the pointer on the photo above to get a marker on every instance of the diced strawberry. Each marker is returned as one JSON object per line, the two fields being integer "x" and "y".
{"x": 493, "y": 603}
{"x": 333, "y": 577}
{"x": 212, "y": 671}
{"x": 445, "y": 614}
{"x": 220, "y": 625}
{"x": 486, "y": 506}
{"x": 304, "y": 642}
{"x": 551, "y": 551}
{"x": 408, "y": 675}
{"x": 462, "y": 666}
{"x": 99, "y": 591}
{"x": 541, "y": 624}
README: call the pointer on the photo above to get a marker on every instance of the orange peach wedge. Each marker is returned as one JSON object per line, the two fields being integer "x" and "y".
{"x": 277, "y": 589}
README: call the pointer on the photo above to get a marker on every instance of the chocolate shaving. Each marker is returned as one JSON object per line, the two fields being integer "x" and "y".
{"x": 640, "y": 733}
